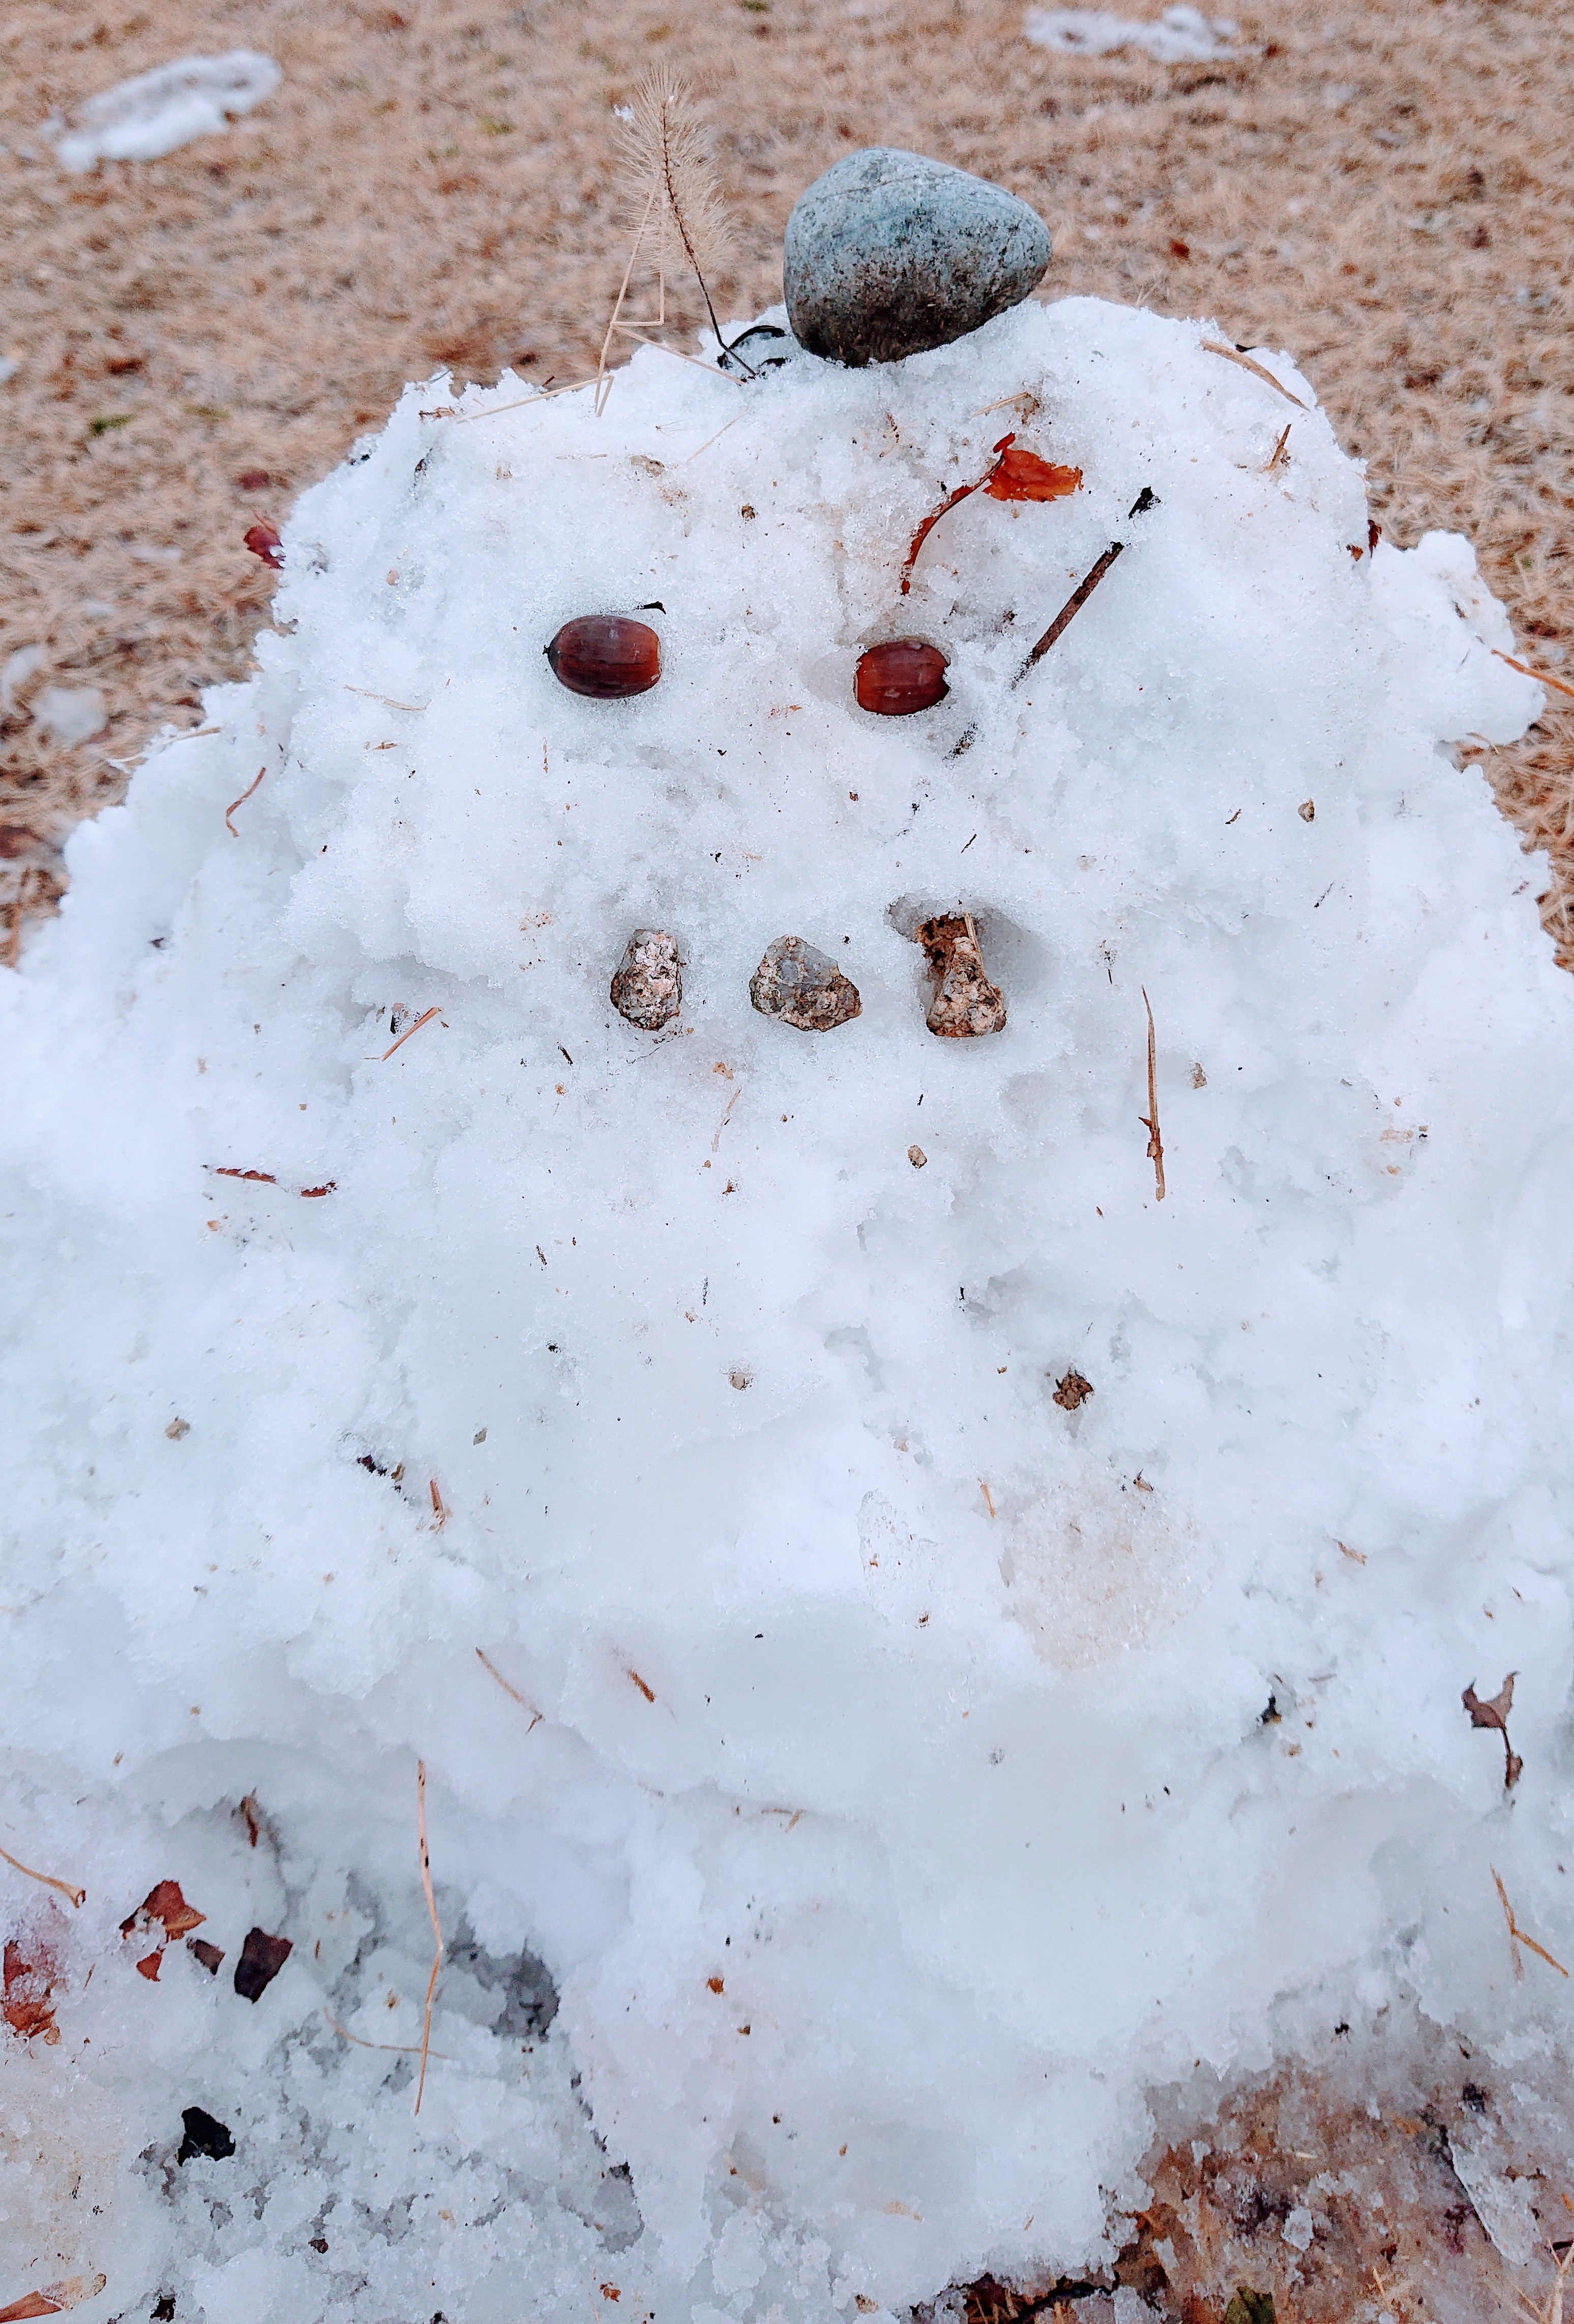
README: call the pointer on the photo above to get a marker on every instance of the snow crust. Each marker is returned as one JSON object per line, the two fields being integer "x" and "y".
{"x": 153, "y": 114}
{"x": 896, "y": 1799}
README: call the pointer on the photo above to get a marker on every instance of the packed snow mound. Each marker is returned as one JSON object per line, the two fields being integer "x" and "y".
{"x": 889, "y": 1761}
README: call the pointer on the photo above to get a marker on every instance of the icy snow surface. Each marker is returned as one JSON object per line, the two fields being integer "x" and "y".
{"x": 901, "y": 1806}
{"x": 1182, "y": 35}
{"x": 143, "y": 119}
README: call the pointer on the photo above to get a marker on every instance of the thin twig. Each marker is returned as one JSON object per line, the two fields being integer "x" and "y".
{"x": 420, "y": 1810}
{"x": 404, "y": 1037}
{"x": 366, "y": 690}
{"x": 403, "y": 2048}
{"x": 1517, "y": 1937}
{"x": 76, "y": 1895}
{"x": 1539, "y": 674}
{"x": 536, "y": 1716}
{"x": 989, "y": 1497}
{"x": 245, "y": 796}
{"x": 1150, "y": 1119}
{"x": 1247, "y": 363}
{"x": 1072, "y": 606}
{"x": 1280, "y": 453}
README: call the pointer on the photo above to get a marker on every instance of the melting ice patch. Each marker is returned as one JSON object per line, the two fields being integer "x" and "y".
{"x": 1181, "y": 36}
{"x": 139, "y": 120}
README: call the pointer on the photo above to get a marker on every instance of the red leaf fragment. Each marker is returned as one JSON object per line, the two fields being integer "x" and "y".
{"x": 31, "y": 2304}
{"x": 312, "y": 1194}
{"x": 1011, "y": 476}
{"x": 1024, "y": 476}
{"x": 148, "y": 1966}
{"x": 164, "y": 1902}
{"x": 27, "y": 1987}
{"x": 263, "y": 539}
{"x": 262, "y": 1177}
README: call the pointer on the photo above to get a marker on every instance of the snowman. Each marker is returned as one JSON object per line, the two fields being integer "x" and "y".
{"x": 825, "y": 1144}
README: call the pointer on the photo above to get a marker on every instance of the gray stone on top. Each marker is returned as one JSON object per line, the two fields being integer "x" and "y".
{"x": 889, "y": 252}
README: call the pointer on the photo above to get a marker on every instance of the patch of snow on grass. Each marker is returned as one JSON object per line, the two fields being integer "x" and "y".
{"x": 1182, "y": 35}
{"x": 141, "y": 119}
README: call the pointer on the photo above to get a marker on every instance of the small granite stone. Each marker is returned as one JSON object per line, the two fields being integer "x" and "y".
{"x": 889, "y": 252}
{"x": 802, "y": 987}
{"x": 965, "y": 1002}
{"x": 648, "y": 987}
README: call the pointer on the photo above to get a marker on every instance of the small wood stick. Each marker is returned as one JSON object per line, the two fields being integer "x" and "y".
{"x": 76, "y": 1895}
{"x": 245, "y": 796}
{"x": 1072, "y": 606}
{"x": 404, "y": 1037}
{"x": 536, "y": 1716}
{"x": 1150, "y": 1119}
{"x": 1279, "y": 454}
{"x": 420, "y": 1797}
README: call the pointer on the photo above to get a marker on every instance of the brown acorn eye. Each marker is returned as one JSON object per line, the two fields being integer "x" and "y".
{"x": 901, "y": 677}
{"x": 605, "y": 656}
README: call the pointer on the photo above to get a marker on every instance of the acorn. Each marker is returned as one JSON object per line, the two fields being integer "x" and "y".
{"x": 605, "y": 656}
{"x": 901, "y": 677}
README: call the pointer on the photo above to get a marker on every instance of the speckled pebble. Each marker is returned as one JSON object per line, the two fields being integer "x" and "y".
{"x": 889, "y": 252}
{"x": 802, "y": 987}
{"x": 648, "y": 987}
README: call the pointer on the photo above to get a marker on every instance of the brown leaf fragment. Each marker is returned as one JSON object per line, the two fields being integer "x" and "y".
{"x": 210, "y": 1955}
{"x": 262, "y": 1958}
{"x": 148, "y": 1966}
{"x": 1494, "y": 1713}
{"x": 1073, "y": 1392}
{"x": 27, "y": 1984}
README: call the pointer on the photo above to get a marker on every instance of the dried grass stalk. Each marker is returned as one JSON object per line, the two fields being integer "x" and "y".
{"x": 671, "y": 190}
{"x": 76, "y": 1895}
{"x": 420, "y": 1810}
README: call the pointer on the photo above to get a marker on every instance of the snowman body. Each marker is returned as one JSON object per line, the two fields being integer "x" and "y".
{"x": 897, "y": 1515}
